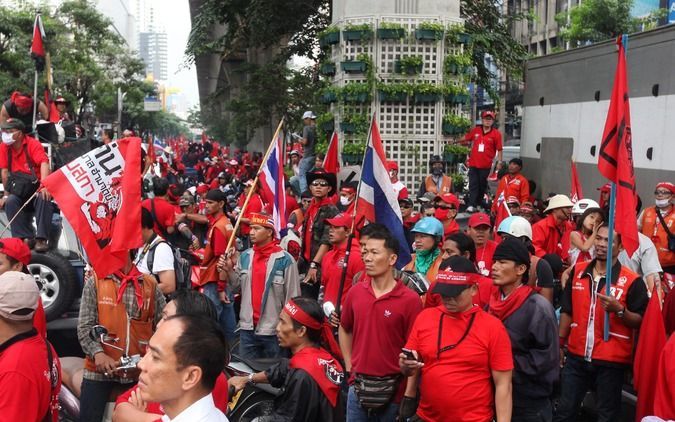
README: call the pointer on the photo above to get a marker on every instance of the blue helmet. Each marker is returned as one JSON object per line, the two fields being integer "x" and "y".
{"x": 430, "y": 226}
{"x": 516, "y": 226}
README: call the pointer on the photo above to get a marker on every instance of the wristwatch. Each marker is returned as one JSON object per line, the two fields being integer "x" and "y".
{"x": 621, "y": 312}
{"x": 313, "y": 265}
{"x": 249, "y": 379}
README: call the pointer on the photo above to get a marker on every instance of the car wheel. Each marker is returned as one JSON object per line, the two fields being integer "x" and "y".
{"x": 57, "y": 280}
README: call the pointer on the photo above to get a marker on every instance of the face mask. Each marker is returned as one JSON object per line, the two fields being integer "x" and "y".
{"x": 344, "y": 200}
{"x": 437, "y": 172}
{"x": 441, "y": 213}
{"x": 8, "y": 138}
{"x": 392, "y": 173}
{"x": 661, "y": 203}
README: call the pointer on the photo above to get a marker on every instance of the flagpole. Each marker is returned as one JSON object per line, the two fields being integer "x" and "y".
{"x": 253, "y": 186}
{"x": 35, "y": 100}
{"x": 610, "y": 243}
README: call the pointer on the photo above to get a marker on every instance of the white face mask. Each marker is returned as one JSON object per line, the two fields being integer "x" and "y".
{"x": 8, "y": 138}
{"x": 344, "y": 200}
{"x": 661, "y": 203}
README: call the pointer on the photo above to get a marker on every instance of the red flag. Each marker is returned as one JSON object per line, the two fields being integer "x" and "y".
{"x": 503, "y": 212}
{"x": 331, "y": 163}
{"x": 92, "y": 191}
{"x": 37, "y": 49}
{"x": 151, "y": 150}
{"x": 54, "y": 115}
{"x": 615, "y": 160}
{"x": 575, "y": 191}
{"x": 646, "y": 364}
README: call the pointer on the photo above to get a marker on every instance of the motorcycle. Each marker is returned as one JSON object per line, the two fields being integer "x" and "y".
{"x": 254, "y": 400}
{"x": 69, "y": 401}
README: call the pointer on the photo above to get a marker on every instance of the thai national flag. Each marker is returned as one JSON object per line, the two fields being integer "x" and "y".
{"x": 377, "y": 200}
{"x": 272, "y": 188}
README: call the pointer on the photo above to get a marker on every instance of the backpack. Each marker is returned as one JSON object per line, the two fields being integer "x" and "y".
{"x": 181, "y": 266}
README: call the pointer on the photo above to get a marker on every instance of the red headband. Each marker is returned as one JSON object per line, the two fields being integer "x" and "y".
{"x": 22, "y": 101}
{"x": 297, "y": 314}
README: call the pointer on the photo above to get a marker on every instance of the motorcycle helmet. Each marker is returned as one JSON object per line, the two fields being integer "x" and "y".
{"x": 515, "y": 226}
{"x": 582, "y": 205}
{"x": 430, "y": 226}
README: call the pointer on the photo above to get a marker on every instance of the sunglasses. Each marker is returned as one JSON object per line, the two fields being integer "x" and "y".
{"x": 320, "y": 184}
{"x": 662, "y": 192}
{"x": 445, "y": 207}
{"x": 405, "y": 206}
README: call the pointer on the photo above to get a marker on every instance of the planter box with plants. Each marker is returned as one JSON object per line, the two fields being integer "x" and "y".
{"x": 458, "y": 182}
{"x": 354, "y": 123}
{"x": 458, "y": 64}
{"x": 431, "y": 31}
{"x": 426, "y": 92}
{"x": 409, "y": 65}
{"x": 457, "y": 95}
{"x": 326, "y": 122}
{"x": 352, "y": 152}
{"x": 361, "y": 32}
{"x": 356, "y": 92}
{"x": 390, "y": 31}
{"x": 455, "y": 125}
{"x": 457, "y": 35}
{"x": 396, "y": 92}
{"x": 330, "y": 95}
{"x": 354, "y": 66}
{"x": 455, "y": 154}
{"x": 329, "y": 36}
{"x": 327, "y": 68}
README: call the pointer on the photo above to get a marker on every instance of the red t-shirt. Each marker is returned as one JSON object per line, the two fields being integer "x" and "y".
{"x": 482, "y": 156}
{"x": 219, "y": 397}
{"x": 255, "y": 205}
{"x": 380, "y": 327}
{"x": 457, "y": 385}
{"x": 25, "y": 390}
{"x": 36, "y": 153}
{"x": 331, "y": 266}
{"x": 291, "y": 204}
{"x": 484, "y": 257}
{"x": 165, "y": 212}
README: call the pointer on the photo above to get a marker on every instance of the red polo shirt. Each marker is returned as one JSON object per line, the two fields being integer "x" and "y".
{"x": 380, "y": 326}
{"x": 547, "y": 237}
{"x": 482, "y": 156}
{"x": 331, "y": 270}
{"x": 456, "y": 385}
{"x": 36, "y": 153}
{"x": 165, "y": 212}
{"x": 484, "y": 257}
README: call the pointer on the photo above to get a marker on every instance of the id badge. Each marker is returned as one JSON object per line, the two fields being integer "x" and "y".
{"x": 481, "y": 147}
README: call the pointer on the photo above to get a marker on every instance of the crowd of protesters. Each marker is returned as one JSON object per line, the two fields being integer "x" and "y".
{"x": 501, "y": 320}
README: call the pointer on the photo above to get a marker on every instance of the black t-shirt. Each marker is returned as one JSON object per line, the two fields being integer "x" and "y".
{"x": 27, "y": 119}
{"x": 309, "y": 133}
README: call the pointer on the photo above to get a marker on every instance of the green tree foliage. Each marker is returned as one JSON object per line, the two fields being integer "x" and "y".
{"x": 600, "y": 20}
{"x": 89, "y": 61}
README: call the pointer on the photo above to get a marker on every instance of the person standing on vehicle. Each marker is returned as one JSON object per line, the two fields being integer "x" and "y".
{"x": 590, "y": 359}
{"x": 658, "y": 223}
{"x": 23, "y": 164}
{"x": 210, "y": 281}
{"x": 463, "y": 355}
{"x": 512, "y": 184}
{"x": 267, "y": 277}
{"x": 437, "y": 182}
{"x": 378, "y": 312}
{"x": 310, "y": 380}
{"x": 158, "y": 252}
{"x": 486, "y": 141}
{"x": 548, "y": 235}
{"x": 30, "y": 373}
{"x": 479, "y": 228}
{"x": 129, "y": 305}
{"x": 532, "y": 326}
{"x": 185, "y": 357}
{"x": 20, "y": 106}
{"x": 308, "y": 142}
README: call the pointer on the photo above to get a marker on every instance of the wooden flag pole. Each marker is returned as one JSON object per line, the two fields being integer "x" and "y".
{"x": 253, "y": 186}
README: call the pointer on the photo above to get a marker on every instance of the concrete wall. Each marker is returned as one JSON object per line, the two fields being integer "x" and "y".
{"x": 351, "y": 8}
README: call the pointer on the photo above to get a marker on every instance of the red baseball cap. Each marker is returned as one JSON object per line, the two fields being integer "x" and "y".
{"x": 666, "y": 185}
{"x": 340, "y": 220}
{"x": 15, "y": 248}
{"x": 449, "y": 199}
{"x": 451, "y": 284}
{"x": 488, "y": 113}
{"x": 605, "y": 188}
{"x": 479, "y": 219}
{"x": 392, "y": 165}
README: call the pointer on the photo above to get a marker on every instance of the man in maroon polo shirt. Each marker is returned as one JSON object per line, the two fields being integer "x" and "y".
{"x": 379, "y": 311}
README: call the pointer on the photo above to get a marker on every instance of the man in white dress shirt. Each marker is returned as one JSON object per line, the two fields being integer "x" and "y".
{"x": 185, "y": 356}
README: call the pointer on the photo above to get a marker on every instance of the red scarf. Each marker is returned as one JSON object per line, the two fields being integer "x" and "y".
{"x": 309, "y": 223}
{"x": 261, "y": 254}
{"x": 502, "y": 309}
{"x": 132, "y": 277}
{"x": 323, "y": 368}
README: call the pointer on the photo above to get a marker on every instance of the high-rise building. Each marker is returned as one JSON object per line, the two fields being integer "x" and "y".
{"x": 123, "y": 19}
{"x": 153, "y": 51}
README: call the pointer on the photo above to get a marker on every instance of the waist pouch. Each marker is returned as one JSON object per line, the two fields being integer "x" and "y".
{"x": 375, "y": 392}
{"x": 22, "y": 185}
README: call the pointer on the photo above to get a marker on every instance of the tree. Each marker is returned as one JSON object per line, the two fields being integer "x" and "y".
{"x": 600, "y": 20}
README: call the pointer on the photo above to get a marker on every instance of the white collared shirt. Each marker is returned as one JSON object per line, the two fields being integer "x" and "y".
{"x": 203, "y": 410}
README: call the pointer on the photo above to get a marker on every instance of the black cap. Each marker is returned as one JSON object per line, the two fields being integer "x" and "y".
{"x": 216, "y": 195}
{"x": 512, "y": 250}
{"x": 517, "y": 161}
{"x": 13, "y": 123}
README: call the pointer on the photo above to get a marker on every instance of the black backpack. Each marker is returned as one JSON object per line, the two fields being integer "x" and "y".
{"x": 181, "y": 266}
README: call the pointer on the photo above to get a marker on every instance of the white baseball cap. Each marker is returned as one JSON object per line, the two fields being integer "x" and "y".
{"x": 309, "y": 115}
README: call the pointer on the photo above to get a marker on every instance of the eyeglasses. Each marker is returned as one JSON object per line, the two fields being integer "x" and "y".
{"x": 445, "y": 207}
{"x": 662, "y": 192}
{"x": 405, "y": 206}
{"x": 320, "y": 184}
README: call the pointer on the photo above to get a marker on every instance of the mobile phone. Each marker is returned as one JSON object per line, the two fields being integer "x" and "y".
{"x": 408, "y": 354}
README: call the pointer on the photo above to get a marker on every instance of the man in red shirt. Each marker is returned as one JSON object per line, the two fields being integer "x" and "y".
{"x": 379, "y": 311}
{"x": 512, "y": 184}
{"x": 548, "y": 234}
{"x": 463, "y": 354}
{"x": 485, "y": 142}
{"x": 163, "y": 212}
{"x": 479, "y": 231}
{"x": 332, "y": 264}
{"x": 27, "y": 158}
{"x": 30, "y": 373}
